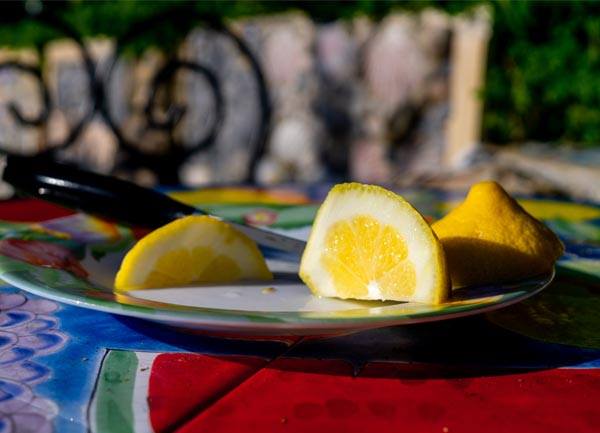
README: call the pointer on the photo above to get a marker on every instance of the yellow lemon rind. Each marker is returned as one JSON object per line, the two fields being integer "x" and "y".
{"x": 134, "y": 259}
{"x": 491, "y": 238}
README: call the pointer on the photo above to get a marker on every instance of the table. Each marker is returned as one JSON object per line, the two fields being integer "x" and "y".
{"x": 532, "y": 367}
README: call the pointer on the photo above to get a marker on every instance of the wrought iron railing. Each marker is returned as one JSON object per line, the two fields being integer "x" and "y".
{"x": 164, "y": 164}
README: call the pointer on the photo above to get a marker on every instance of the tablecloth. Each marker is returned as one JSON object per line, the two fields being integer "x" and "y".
{"x": 531, "y": 367}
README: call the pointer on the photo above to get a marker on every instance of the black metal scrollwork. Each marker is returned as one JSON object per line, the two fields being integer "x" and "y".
{"x": 164, "y": 164}
{"x": 14, "y": 108}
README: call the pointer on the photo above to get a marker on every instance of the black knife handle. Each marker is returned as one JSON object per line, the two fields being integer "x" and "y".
{"x": 90, "y": 192}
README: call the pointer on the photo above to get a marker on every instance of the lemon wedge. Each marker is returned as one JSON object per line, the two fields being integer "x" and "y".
{"x": 490, "y": 238}
{"x": 193, "y": 249}
{"x": 369, "y": 243}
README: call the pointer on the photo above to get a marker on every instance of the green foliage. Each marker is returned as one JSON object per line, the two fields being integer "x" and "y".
{"x": 543, "y": 78}
{"x": 20, "y": 23}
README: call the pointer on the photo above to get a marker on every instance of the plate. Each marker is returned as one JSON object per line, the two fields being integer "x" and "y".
{"x": 74, "y": 260}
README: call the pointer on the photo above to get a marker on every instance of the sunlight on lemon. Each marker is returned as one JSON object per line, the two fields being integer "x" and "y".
{"x": 490, "y": 238}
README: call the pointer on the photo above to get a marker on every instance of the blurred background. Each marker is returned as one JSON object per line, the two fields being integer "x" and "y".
{"x": 429, "y": 93}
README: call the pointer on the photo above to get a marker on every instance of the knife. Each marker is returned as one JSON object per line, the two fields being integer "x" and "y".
{"x": 116, "y": 199}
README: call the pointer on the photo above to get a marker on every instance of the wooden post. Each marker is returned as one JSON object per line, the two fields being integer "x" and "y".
{"x": 471, "y": 33}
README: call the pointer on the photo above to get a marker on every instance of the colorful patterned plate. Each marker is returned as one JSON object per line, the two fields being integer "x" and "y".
{"x": 74, "y": 260}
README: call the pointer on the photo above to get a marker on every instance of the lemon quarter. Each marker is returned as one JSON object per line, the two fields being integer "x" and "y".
{"x": 193, "y": 249}
{"x": 369, "y": 243}
{"x": 490, "y": 238}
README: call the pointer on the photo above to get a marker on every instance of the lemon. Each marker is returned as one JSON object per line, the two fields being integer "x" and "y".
{"x": 490, "y": 238}
{"x": 190, "y": 250}
{"x": 369, "y": 243}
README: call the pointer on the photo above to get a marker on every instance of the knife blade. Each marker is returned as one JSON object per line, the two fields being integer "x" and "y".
{"x": 117, "y": 199}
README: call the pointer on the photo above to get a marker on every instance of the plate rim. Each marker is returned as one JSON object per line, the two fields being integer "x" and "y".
{"x": 224, "y": 319}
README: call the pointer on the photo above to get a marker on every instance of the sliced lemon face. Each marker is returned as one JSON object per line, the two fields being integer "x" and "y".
{"x": 193, "y": 249}
{"x": 369, "y": 243}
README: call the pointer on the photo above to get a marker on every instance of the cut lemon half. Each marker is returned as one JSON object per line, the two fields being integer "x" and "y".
{"x": 193, "y": 249}
{"x": 369, "y": 243}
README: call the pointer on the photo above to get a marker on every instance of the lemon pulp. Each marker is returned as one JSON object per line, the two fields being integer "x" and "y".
{"x": 369, "y": 271}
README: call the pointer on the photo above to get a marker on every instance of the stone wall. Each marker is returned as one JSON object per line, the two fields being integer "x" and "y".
{"x": 390, "y": 102}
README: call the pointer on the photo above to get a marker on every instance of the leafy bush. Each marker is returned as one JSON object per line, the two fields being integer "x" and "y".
{"x": 543, "y": 80}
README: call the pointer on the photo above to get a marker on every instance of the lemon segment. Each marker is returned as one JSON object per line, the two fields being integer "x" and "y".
{"x": 490, "y": 238}
{"x": 369, "y": 243}
{"x": 193, "y": 249}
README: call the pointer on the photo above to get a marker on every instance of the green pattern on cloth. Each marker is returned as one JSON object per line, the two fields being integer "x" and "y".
{"x": 115, "y": 393}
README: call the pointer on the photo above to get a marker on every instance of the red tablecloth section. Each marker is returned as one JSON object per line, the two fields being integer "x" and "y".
{"x": 31, "y": 210}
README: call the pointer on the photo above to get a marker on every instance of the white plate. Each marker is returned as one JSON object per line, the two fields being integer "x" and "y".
{"x": 284, "y": 306}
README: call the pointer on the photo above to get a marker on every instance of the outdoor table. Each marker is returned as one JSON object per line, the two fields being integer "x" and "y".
{"x": 530, "y": 367}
